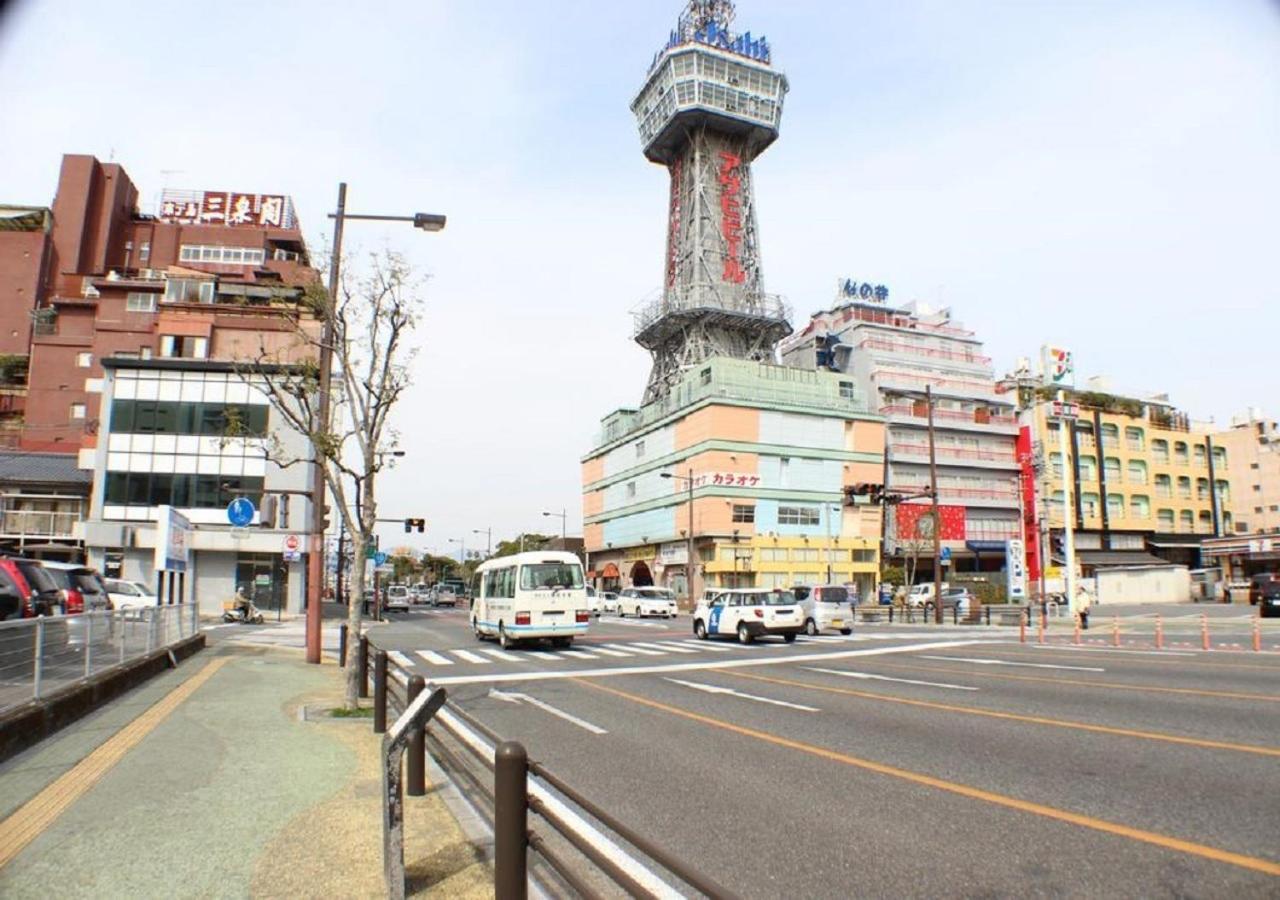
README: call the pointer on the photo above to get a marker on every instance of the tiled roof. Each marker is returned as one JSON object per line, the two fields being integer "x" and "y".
{"x": 21, "y": 467}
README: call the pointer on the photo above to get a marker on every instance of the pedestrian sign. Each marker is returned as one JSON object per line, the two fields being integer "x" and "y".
{"x": 380, "y": 558}
{"x": 946, "y": 556}
{"x": 240, "y": 511}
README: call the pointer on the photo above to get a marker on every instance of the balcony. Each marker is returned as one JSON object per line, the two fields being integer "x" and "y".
{"x": 1005, "y": 457}
{"x": 929, "y": 352}
{"x": 22, "y": 519}
{"x": 952, "y": 418}
{"x": 959, "y": 387}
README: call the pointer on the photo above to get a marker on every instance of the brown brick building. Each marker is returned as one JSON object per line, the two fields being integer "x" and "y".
{"x": 211, "y": 275}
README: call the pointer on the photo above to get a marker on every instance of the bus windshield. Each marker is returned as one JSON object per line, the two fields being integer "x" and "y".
{"x": 550, "y": 575}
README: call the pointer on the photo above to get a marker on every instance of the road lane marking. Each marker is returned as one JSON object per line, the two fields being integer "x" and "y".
{"x": 607, "y": 652}
{"x": 1163, "y": 841}
{"x": 501, "y": 654}
{"x": 869, "y": 677}
{"x": 665, "y": 648}
{"x": 736, "y": 662}
{"x": 435, "y": 658}
{"x": 1032, "y": 720}
{"x": 400, "y": 659}
{"x": 468, "y": 656}
{"x": 1264, "y": 664}
{"x": 31, "y": 819}
{"x": 1114, "y": 650}
{"x": 574, "y": 652}
{"x": 1113, "y": 685}
{"x": 707, "y": 645}
{"x": 632, "y": 648}
{"x": 715, "y": 689}
{"x": 1004, "y": 662}
{"x": 547, "y": 707}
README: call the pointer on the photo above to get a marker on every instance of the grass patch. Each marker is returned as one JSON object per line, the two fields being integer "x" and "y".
{"x": 360, "y": 712}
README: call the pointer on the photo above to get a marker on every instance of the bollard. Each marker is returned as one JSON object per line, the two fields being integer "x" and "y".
{"x": 510, "y": 821}
{"x": 342, "y": 645}
{"x": 1257, "y": 630}
{"x": 1159, "y": 632}
{"x": 955, "y": 614}
{"x": 1115, "y": 632}
{"x": 362, "y": 660}
{"x": 987, "y": 609}
{"x": 1204, "y": 632}
{"x": 1040, "y": 637}
{"x": 890, "y": 615}
{"x": 416, "y": 768}
{"x": 1022, "y": 629}
{"x": 1076, "y": 638}
{"x": 380, "y": 692}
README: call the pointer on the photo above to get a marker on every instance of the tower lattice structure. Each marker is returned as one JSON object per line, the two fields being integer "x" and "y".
{"x": 711, "y": 104}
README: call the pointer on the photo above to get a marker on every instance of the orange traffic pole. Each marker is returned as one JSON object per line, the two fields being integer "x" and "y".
{"x": 1257, "y": 631}
{"x": 1076, "y": 638}
{"x": 1159, "y": 632}
{"x": 1115, "y": 632}
{"x": 1040, "y": 637}
{"x": 1204, "y": 632}
{"x": 1022, "y": 627}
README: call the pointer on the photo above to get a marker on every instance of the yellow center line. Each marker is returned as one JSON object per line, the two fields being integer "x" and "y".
{"x": 1229, "y": 695}
{"x": 1015, "y": 717}
{"x": 1136, "y": 834}
{"x": 33, "y": 817}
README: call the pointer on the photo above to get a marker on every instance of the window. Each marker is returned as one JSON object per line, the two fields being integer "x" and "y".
{"x": 172, "y": 417}
{"x": 144, "y": 251}
{"x": 1111, "y": 468}
{"x": 1253, "y": 465}
{"x": 1137, "y": 471}
{"x": 1088, "y": 468}
{"x": 84, "y": 360}
{"x": 639, "y": 449}
{"x": 1134, "y": 438}
{"x": 1165, "y": 519}
{"x": 1164, "y": 486}
{"x": 846, "y": 390}
{"x": 1184, "y": 487}
{"x": 140, "y": 301}
{"x": 188, "y": 290}
{"x": 183, "y": 346}
{"x": 1160, "y": 449}
{"x": 798, "y": 515}
{"x": 1186, "y": 520}
{"x": 744, "y": 513}
{"x": 187, "y": 491}
{"x": 1089, "y": 504}
{"x": 1202, "y": 488}
{"x": 1201, "y": 456}
{"x": 864, "y": 556}
{"x": 144, "y": 353}
{"x": 236, "y": 256}
{"x": 550, "y": 575}
{"x": 1115, "y": 506}
{"x": 631, "y": 490}
{"x": 77, "y": 410}
{"x": 705, "y": 375}
{"x": 1180, "y": 453}
{"x": 1055, "y": 464}
{"x": 1257, "y": 509}
{"x": 1110, "y": 435}
{"x": 1140, "y": 506}
{"x": 773, "y": 554}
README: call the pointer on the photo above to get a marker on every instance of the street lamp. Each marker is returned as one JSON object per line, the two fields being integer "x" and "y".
{"x": 462, "y": 549}
{"x": 688, "y": 565}
{"x": 315, "y": 564}
{"x": 563, "y": 516}
{"x": 927, "y": 396}
{"x": 488, "y": 540}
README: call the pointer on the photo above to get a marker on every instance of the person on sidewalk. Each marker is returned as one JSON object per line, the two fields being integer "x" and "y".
{"x": 1084, "y": 600}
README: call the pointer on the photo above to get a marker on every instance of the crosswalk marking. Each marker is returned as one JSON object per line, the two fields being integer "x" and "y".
{"x": 607, "y": 652}
{"x": 707, "y": 645}
{"x": 632, "y": 648}
{"x": 400, "y": 659}
{"x": 670, "y": 647}
{"x": 540, "y": 653}
{"x": 471, "y": 657}
{"x": 578, "y": 651}
{"x": 501, "y": 654}
{"x": 434, "y": 658}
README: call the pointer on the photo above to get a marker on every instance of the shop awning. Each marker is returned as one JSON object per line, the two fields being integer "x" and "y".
{"x": 1111, "y": 558}
{"x": 610, "y": 571}
{"x": 985, "y": 546}
{"x": 1185, "y": 541}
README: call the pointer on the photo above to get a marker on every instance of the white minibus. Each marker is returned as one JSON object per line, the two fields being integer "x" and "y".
{"x": 527, "y": 596}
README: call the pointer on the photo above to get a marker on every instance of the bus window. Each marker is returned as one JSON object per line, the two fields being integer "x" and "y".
{"x": 550, "y": 575}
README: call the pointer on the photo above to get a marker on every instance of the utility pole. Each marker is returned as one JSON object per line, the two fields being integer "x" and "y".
{"x": 688, "y": 566}
{"x": 937, "y": 522}
{"x": 1068, "y": 485}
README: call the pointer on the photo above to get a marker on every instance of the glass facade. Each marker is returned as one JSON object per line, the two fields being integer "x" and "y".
{"x": 174, "y": 417}
{"x": 179, "y": 489}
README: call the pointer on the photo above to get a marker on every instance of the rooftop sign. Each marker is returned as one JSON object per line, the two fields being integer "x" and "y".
{"x": 231, "y": 208}
{"x": 864, "y": 291}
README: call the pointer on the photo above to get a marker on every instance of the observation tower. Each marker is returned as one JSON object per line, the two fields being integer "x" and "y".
{"x": 710, "y": 105}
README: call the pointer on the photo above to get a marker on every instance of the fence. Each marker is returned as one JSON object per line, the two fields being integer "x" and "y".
{"x": 585, "y": 849}
{"x": 40, "y": 655}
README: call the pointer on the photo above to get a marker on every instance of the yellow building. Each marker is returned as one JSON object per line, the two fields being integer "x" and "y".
{"x": 758, "y": 456}
{"x": 1145, "y": 478}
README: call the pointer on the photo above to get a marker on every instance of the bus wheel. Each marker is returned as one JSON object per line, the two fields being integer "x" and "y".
{"x": 562, "y": 643}
{"x": 504, "y": 639}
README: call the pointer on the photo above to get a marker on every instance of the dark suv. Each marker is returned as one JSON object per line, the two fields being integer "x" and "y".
{"x": 46, "y": 595}
{"x": 1260, "y": 584}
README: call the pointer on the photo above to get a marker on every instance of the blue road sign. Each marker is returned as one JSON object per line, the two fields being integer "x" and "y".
{"x": 946, "y": 554}
{"x": 240, "y": 511}
{"x": 380, "y": 558}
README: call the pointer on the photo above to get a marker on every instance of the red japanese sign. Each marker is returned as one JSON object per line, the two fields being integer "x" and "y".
{"x": 907, "y": 518}
{"x": 1027, "y": 479}
{"x": 731, "y": 216}
{"x": 726, "y": 479}
{"x": 226, "y": 208}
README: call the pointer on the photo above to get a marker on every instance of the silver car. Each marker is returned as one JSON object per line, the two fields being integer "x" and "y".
{"x": 826, "y": 607}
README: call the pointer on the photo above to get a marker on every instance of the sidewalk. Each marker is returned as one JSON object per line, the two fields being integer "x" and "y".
{"x": 209, "y": 782}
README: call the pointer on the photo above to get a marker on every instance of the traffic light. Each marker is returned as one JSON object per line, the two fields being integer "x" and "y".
{"x": 863, "y": 489}
{"x": 1058, "y": 545}
{"x": 411, "y": 524}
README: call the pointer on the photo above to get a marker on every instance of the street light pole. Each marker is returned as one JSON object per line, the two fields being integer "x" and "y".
{"x": 937, "y": 523}
{"x": 488, "y": 539}
{"x": 563, "y": 515}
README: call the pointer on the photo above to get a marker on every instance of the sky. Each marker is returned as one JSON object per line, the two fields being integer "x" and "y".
{"x": 1101, "y": 176}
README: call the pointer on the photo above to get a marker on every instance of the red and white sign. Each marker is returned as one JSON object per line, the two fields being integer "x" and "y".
{"x": 292, "y": 542}
{"x": 232, "y": 208}
{"x": 731, "y": 216}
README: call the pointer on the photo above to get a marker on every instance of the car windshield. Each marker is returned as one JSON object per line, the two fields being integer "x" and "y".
{"x": 657, "y": 594}
{"x": 834, "y": 595}
{"x": 38, "y": 577}
{"x": 85, "y": 581}
{"x": 121, "y": 587}
{"x": 550, "y": 575}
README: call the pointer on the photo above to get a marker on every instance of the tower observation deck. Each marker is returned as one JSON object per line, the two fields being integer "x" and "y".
{"x": 711, "y": 104}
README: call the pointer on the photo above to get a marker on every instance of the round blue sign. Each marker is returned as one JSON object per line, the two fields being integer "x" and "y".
{"x": 240, "y": 511}
{"x": 380, "y": 558}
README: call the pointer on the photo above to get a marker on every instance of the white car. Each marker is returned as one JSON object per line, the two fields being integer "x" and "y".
{"x": 397, "y": 598}
{"x": 609, "y": 602}
{"x": 647, "y": 601}
{"x": 826, "y": 606}
{"x": 920, "y": 594}
{"x": 594, "y": 603}
{"x": 129, "y": 594}
{"x": 749, "y": 613}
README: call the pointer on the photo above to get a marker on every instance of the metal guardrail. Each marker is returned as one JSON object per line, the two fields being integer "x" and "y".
{"x": 40, "y": 655}
{"x": 518, "y": 787}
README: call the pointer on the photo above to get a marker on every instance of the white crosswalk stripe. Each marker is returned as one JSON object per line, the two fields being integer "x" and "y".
{"x": 547, "y": 654}
{"x": 501, "y": 654}
{"x": 632, "y": 648}
{"x": 707, "y": 645}
{"x": 670, "y": 647}
{"x": 400, "y": 659}
{"x": 434, "y": 658}
{"x": 578, "y": 651}
{"x": 606, "y": 652}
{"x": 470, "y": 657}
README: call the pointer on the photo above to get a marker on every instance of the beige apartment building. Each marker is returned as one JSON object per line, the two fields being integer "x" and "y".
{"x": 1252, "y": 445}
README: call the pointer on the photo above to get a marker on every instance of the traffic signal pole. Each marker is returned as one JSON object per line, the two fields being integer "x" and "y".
{"x": 937, "y": 523}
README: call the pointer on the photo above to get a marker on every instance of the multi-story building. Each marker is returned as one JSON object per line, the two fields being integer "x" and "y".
{"x": 1145, "y": 479}
{"x": 892, "y": 354}
{"x": 43, "y": 498}
{"x": 165, "y": 441}
{"x": 209, "y": 275}
{"x": 1252, "y": 448}
{"x": 747, "y": 463}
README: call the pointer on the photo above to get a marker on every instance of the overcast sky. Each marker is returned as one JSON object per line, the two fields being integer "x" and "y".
{"x": 1102, "y": 175}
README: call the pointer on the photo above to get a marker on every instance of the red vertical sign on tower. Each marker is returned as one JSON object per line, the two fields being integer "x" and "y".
{"x": 1027, "y": 484}
{"x": 731, "y": 216}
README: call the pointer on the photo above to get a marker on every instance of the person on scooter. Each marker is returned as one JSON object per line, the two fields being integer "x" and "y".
{"x": 242, "y": 602}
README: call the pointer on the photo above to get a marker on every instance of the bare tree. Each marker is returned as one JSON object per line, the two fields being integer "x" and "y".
{"x": 370, "y": 322}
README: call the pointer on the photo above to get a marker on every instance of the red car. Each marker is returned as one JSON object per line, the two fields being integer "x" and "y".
{"x": 31, "y": 591}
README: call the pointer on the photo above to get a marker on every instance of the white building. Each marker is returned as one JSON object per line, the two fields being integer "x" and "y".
{"x": 892, "y": 354}
{"x": 163, "y": 439}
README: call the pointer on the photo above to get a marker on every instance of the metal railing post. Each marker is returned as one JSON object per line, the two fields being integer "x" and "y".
{"x": 416, "y": 767}
{"x": 88, "y": 644}
{"x": 362, "y": 660}
{"x": 380, "y": 692}
{"x": 151, "y": 630}
{"x": 511, "y": 821}
{"x": 342, "y": 645}
{"x": 124, "y": 632}
{"x": 39, "y": 664}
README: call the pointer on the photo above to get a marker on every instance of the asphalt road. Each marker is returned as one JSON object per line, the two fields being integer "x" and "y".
{"x": 906, "y": 761}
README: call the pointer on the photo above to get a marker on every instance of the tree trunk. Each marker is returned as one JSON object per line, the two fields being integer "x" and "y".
{"x": 355, "y": 607}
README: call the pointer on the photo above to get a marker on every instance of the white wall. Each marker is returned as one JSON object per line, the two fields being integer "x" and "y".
{"x": 1160, "y": 584}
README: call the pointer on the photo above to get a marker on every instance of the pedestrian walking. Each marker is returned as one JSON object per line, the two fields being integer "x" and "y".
{"x": 1084, "y": 601}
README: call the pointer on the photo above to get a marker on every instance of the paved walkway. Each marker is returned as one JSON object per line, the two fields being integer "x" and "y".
{"x": 209, "y": 781}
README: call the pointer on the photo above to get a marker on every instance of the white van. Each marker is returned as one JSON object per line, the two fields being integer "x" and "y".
{"x": 920, "y": 594}
{"x": 527, "y": 596}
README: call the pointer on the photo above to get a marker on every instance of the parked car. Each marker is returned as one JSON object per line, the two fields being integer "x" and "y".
{"x": 1259, "y": 583}
{"x": 397, "y": 598}
{"x": 826, "y": 606}
{"x": 609, "y": 602}
{"x": 647, "y": 601}
{"x": 1269, "y": 600}
{"x": 445, "y": 596}
{"x": 959, "y": 598}
{"x": 920, "y": 594}
{"x": 749, "y": 613}
{"x": 15, "y": 593}
{"x": 129, "y": 594}
{"x": 46, "y": 596}
{"x": 82, "y": 587}
{"x": 593, "y": 602}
